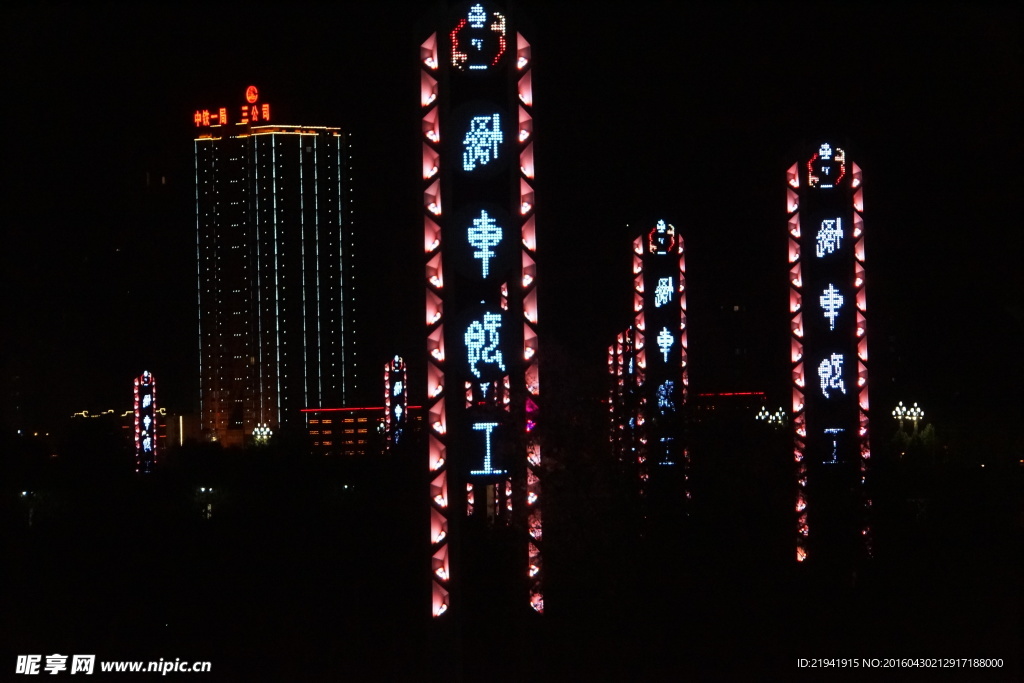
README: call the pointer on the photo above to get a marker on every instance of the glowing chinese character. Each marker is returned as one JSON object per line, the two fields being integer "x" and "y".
{"x": 147, "y": 444}
{"x": 145, "y": 421}
{"x": 397, "y": 388}
{"x": 486, "y": 428}
{"x": 482, "y": 343}
{"x": 829, "y": 238}
{"x": 663, "y": 292}
{"x": 147, "y": 400}
{"x": 481, "y": 141}
{"x": 477, "y": 16}
{"x": 484, "y": 234}
{"x": 835, "y": 444}
{"x": 825, "y": 151}
{"x": 831, "y": 301}
{"x": 665, "y": 341}
{"x": 665, "y": 402}
{"x": 830, "y": 372}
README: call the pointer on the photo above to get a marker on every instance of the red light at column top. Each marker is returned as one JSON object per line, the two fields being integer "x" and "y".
{"x": 251, "y": 94}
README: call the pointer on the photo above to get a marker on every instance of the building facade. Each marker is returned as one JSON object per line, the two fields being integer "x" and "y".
{"x": 274, "y": 253}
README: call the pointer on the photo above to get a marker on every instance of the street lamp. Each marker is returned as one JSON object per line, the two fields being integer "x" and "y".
{"x": 262, "y": 433}
{"x": 913, "y": 414}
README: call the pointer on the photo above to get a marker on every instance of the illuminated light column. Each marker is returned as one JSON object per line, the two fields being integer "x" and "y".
{"x": 145, "y": 423}
{"x": 396, "y": 402}
{"x": 828, "y": 353}
{"x": 660, "y": 354}
{"x": 483, "y": 389}
{"x": 623, "y": 396}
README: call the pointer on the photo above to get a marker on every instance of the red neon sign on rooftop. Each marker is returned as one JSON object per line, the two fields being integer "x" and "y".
{"x": 251, "y": 112}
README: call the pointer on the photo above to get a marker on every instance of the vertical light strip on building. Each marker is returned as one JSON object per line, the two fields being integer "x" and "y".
{"x": 302, "y": 255}
{"x": 199, "y": 283}
{"x": 316, "y": 217}
{"x": 277, "y": 283}
{"x": 260, "y": 371}
{"x": 341, "y": 279}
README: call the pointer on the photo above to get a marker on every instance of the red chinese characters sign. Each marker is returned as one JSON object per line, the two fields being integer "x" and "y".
{"x": 252, "y": 111}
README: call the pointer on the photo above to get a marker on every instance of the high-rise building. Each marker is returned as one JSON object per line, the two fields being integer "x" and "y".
{"x": 829, "y": 354}
{"x": 274, "y": 249}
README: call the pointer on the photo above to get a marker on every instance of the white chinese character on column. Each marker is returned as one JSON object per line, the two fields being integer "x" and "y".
{"x": 486, "y": 428}
{"x": 829, "y": 237}
{"x": 481, "y": 141}
{"x": 477, "y": 16}
{"x": 831, "y": 301}
{"x": 663, "y": 292}
{"x": 835, "y": 432}
{"x": 478, "y": 350}
{"x": 830, "y": 372}
{"x": 665, "y": 341}
{"x": 665, "y": 402}
{"x": 484, "y": 234}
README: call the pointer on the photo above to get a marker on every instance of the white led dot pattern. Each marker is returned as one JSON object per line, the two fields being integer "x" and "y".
{"x": 486, "y": 428}
{"x": 835, "y": 431}
{"x": 665, "y": 391}
{"x": 830, "y": 372}
{"x": 831, "y": 301}
{"x": 482, "y": 236}
{"x": 829, "y": 238}
{"x": 663, "y": 292}
{"x": 482, "y": 140}
{"x": 482, "y": 339}
{"x": 665, "y": 341}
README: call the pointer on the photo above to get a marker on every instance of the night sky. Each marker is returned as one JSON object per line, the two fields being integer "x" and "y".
{"x": 652, "y": 110}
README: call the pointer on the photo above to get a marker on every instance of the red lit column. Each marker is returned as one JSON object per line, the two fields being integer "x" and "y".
{"x": 480, "y": 245}
{"x": 828, "y": 354}
{"x": 146, "y": 427}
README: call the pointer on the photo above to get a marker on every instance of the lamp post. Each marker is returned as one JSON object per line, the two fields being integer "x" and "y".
{"x": 914, "y": 414}
{"x": 262, "y": 434}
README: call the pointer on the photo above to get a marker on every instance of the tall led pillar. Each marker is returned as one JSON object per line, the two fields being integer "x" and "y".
{"x": 829, "y": 354}
{"x": 145, "y": 423}
{"x": 483, "y": 390}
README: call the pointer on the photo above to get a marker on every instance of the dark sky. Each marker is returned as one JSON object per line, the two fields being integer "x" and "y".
{"x": 651, "y": 110}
